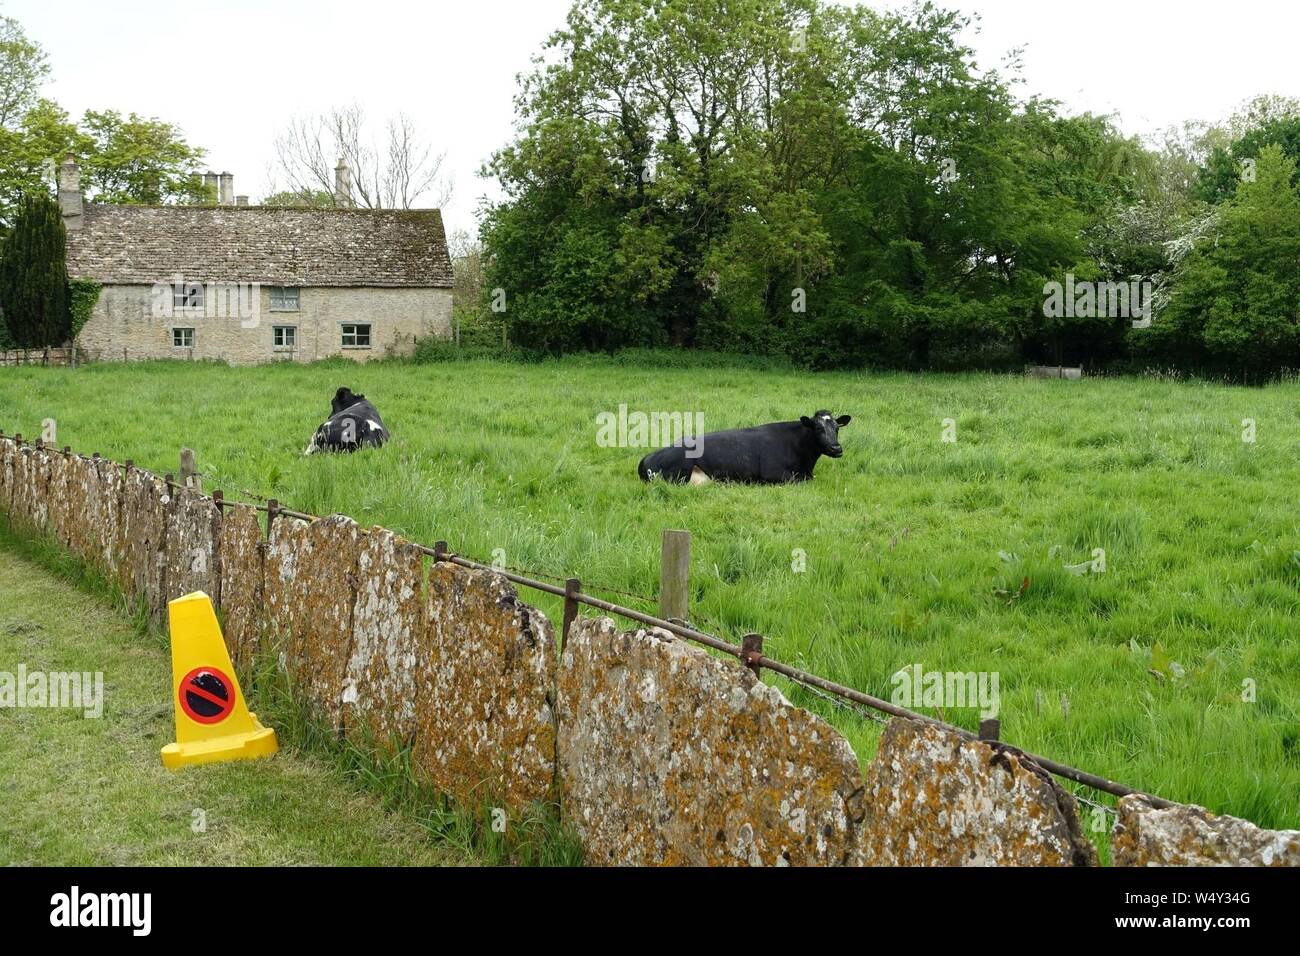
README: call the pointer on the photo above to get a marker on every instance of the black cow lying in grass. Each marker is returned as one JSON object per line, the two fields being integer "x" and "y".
{"x": 354, "y": 424}
{"x": 766, "y": 454}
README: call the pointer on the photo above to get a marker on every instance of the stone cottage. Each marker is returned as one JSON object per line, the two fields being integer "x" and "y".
{"x": 249, "y": 284}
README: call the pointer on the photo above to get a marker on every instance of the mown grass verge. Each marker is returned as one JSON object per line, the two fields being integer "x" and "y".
{"x": 92, "y": 791}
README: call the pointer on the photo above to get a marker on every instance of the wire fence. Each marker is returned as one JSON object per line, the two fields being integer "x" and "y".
{"x": 749, "y": 652}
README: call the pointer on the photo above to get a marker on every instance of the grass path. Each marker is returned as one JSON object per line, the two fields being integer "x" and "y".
{"x": 83, "y": 791}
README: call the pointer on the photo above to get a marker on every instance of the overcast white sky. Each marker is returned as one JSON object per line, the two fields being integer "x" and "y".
{"x": 231, "y": 73}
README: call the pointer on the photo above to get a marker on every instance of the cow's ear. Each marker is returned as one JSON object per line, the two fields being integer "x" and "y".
{"x": 807, "y": 422}
{"x": 843, "y": 420}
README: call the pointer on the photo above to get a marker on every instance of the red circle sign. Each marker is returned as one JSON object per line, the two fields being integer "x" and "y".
{"x": 206, "y": 695}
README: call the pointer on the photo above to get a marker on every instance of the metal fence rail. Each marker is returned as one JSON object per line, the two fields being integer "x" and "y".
{"x": 749, "y": 652}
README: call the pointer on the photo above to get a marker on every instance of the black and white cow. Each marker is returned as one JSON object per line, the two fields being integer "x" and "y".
{"x": 355, "y": 423}
{"x": 765, "y": 454}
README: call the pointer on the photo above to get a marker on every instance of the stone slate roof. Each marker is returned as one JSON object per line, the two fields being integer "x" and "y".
{"x": 265, "y": 244}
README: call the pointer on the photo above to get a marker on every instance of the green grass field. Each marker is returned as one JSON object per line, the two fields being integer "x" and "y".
{"x": 916, "y": 548}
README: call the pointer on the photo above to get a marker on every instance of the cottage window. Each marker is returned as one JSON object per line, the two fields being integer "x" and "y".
{"x": 356, "y": 335}
{"x": 285, "y": 336}
{"x": 187, "y": 295}
{"x": 284, "y": 298}
{"x": 183, "y": 338}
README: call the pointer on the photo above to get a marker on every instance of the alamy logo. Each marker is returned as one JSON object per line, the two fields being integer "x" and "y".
{"x": 134, "y": 910}
{"x": 626, "y": 429}
{"x": 74, "y": 690}
{"x": 1088, "y": 300}
{"x": 914, "y": 688}
{"x": 210, "y": 300}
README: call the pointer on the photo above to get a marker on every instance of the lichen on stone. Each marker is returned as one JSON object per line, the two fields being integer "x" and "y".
{"x": 669, "y": 755}
{"x": 1192, "y": 836}
{"x": 935, "y": 798}
{"x": 485, "y": 727}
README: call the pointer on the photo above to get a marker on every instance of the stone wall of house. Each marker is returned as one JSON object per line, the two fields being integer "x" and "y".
{"x": 123, "y": 326}
{"x": 657, "y": 752}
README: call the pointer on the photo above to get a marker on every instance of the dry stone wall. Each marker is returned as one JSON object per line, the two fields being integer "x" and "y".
{"x": 657, "y": 752}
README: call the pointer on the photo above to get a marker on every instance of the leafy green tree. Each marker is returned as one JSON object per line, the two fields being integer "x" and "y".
{"x": 1227, "y": 166}
{"x": 133, "y": 159}
{"x": 34, "y": 277}
{"x": 1235, "y": 303}
{"x": 30, "y": 152}
{"x": 644, "y": 147}
{"x": 836, "y": 183}
{"x": 23, "y": 69}
{"x": 125, "y": 159}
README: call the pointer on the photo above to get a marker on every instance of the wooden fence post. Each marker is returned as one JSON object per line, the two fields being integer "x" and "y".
{"x": 675, "y": 575}
{"x": 572, "y": 588}
{"x": 990, "y": 729}
{"x": 189, "y": 471}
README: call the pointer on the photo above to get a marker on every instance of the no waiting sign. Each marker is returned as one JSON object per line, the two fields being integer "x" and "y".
{"x": 206, "y": 695}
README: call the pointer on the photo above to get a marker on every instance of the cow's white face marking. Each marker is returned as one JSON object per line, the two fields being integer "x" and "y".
{"x": 698, "y": 477}
{"x": 372, "y": 425}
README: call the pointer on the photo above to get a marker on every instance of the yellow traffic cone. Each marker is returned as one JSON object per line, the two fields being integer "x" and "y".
{"x": 212, "y": 721}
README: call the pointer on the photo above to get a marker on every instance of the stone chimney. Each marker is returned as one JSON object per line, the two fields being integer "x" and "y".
{"x": 70, "y": 201}
{"x": 241, "y": 200}
{"x": 342, "y": 185}
{"x": 213, "y": 182}
{"x": 227, "y": 189}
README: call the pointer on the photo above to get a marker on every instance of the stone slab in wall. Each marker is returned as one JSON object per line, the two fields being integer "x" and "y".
{"x": 88, "y": 514}
{"x": 485, "y": 727}
{"x": 190, "y": 554}
{"x": 387, "y": 628}
{"x": 141, "y": 534}
{"x": 13, "y": 469}
{"x": 62, "y": 503}
{"x": 107, "y": 516}
{"x": 310, "y": 584}
{"x": 7, "y": 451}
{"x": 79, "y": 481}
{"x": 27, "y": 498}
{"x": 40, "y": 473}
{"x": 671, "y": 756}
{"x": 37, "y": 497}
{"x": 1192, "y": 836}
{"x": 934, "y": 798}
{"x": 241, "y": 594}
